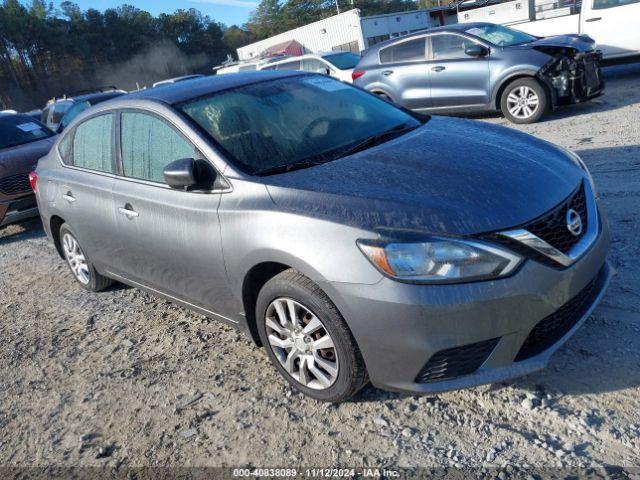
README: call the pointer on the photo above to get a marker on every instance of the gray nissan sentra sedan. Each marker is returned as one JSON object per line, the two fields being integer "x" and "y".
{"x": 354, "y": 240}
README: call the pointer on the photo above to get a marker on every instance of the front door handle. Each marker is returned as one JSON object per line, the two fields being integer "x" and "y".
{"x": 386, "y": 73}
{"x": 128, "y": 211}
{"x": 594, "y": 19}
{"x": 69, "y": 197}
{"x": 439, "y": 68}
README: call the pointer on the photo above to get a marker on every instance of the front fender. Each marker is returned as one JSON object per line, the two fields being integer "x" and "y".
{"x": 255, "y": 230}
{"x": 507, "y": 76}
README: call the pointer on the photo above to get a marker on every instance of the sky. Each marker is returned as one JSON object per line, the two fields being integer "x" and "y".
{"x": 229, "y": 12}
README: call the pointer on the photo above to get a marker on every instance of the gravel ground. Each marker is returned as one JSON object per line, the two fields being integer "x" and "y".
{"x": 121, "y": 378}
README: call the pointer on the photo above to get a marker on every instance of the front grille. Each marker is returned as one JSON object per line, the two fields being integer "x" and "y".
{"x": 552, "y": 227}
{"x": 456, "y": 362}
{"x": 15, "y": 184}
{"x": 552, "y": 328}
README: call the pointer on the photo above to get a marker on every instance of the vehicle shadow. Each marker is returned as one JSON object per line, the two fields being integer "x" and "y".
{"x": 24, "y": 231}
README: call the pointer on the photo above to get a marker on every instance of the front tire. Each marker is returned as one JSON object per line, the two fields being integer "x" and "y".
{"x": 524, "y": 101}
{"x": 307, "y": 339}
{"x": 81, "y": 267}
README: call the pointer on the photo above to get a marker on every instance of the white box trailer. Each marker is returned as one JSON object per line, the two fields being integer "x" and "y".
{"x": 347, "y": 31}
{"x": 340, "y": 32}
{"x": 613, "y": 24}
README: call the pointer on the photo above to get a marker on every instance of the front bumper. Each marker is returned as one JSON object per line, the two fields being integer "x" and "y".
{"x": 574, "y": 81}
{"x": 18, "y": 210}
{"x": 401, "y": 327}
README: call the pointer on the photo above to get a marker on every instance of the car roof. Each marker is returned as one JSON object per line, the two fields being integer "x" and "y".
{"x": 456, "y": 27}
{"x": 94, "y": 98}
{"x": 177, "y": 79}
{"x": 199, "y": 87}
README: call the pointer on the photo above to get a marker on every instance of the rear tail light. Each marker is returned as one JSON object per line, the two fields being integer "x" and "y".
{"x": 33, "y": 181}
{"x": 356, "y": 74}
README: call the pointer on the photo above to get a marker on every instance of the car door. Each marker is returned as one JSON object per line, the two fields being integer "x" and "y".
{"x": 403, "y": 73}
{"x": 457, "y": 79}
{"x": 168, "y": 239}
{"x": 614, "y": 25}
{"x": 83, "y": 194}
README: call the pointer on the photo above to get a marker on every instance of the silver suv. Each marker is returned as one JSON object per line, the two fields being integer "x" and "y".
{"x": 482, "y": 67}
{"x": 352, "y": 239}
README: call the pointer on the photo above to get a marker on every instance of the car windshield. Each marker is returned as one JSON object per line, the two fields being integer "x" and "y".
{"x": 20, "y": 129}
{"x": 500, "y": 36}
{"x": 295, "y": 122}
{"x": 343, "y": 60}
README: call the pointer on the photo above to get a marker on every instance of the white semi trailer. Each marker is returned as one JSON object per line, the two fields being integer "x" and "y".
{"x": 613, "y": 24}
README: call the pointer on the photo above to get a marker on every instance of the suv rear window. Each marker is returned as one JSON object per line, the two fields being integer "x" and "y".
{"x": 20, "y": 129}
{"x": 408, "y": 51}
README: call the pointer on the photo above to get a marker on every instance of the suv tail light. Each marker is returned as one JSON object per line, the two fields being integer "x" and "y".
{"x": 33, "y": 181}
{"x": 357, "y": 74}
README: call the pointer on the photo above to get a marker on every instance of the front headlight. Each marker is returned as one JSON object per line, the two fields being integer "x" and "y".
{"x": 440, "y": 260}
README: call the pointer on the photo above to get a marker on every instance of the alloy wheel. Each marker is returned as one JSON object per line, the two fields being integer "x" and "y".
{"x": 301, "y": 343}
{"x": 76, "y": 259}
{"x": 523, "y": 102}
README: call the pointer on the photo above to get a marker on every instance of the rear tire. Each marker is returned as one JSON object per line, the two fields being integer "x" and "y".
{"x": 316, "y": 353}
{"x": 524, "y": 100}
{"x": 81, "y": 267}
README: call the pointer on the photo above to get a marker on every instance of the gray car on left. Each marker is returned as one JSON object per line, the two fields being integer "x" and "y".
{"x": 23, "y": 140}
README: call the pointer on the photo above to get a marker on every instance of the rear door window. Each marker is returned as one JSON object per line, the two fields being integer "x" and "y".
{"x": 409, "y": 51}
{"x": 92, "y": 144}
{"x": 150, "y": 144}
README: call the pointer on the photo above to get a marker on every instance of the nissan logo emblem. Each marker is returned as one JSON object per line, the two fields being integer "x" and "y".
{"x": 574, "y": 222}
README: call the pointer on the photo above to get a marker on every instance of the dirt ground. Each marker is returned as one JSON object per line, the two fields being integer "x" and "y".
{"x": 121, "y": 379}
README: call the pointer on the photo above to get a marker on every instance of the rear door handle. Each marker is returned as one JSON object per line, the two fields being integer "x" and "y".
{"x": 595, "y": 19}
{"x": 386, "y": 73}
{"x": 69, "y": 197}
{"x": 128, "y": 211}
{"x": 439, "y": 68}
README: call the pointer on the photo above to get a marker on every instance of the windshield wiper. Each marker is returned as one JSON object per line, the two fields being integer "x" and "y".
{"x": 290, "y": 167}
{"x": 324, "y": 158}
{"x": 379, "y": 138}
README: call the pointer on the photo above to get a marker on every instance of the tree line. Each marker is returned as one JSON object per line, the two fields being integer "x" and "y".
{"x": 47, "y": 51}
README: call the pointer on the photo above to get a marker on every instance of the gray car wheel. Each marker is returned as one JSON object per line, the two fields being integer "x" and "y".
{"x": 77, "y": 261}
{"x": 307, "y": 339}
{"x": 524, "y": 101}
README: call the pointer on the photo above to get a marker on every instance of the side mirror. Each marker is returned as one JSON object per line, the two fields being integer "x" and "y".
{"x": 476, "y": 50}
{"x": 181, "y": 173}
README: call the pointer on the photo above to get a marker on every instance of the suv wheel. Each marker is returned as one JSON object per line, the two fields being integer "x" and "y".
{"x": 307, "y": 339}
{"x": 524, "y": 101}
{"x": 82, "y": 269}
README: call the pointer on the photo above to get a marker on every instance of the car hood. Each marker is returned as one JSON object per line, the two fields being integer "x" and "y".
{"x": 581, "y": 43}
{"x": 451, "y": 176}
{"x": 23, "y": 158}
